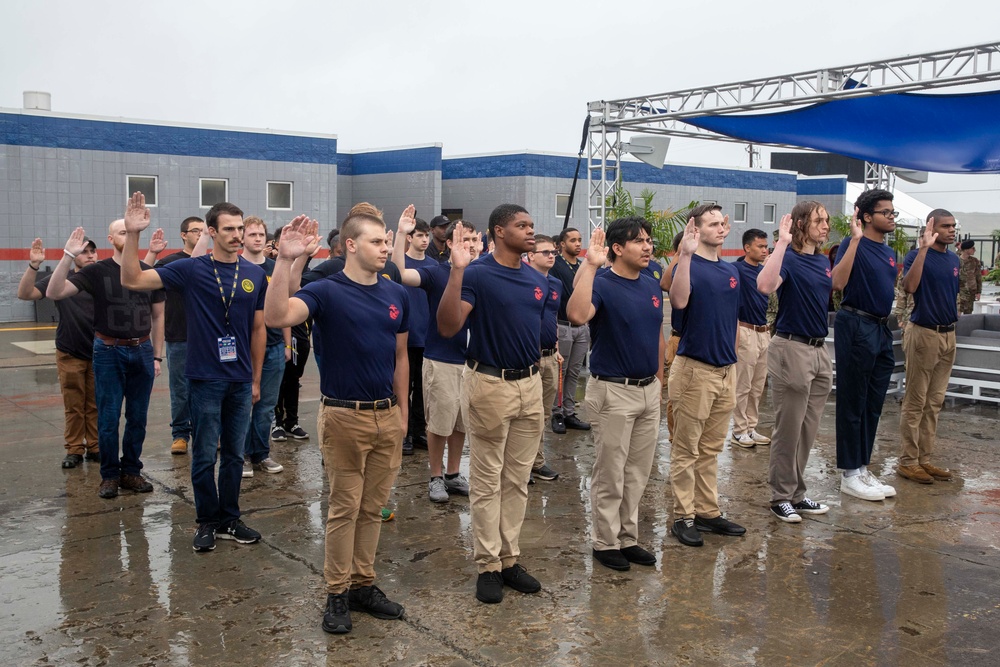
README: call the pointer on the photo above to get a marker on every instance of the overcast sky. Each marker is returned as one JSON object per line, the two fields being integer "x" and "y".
{"x": 476, "y": 77}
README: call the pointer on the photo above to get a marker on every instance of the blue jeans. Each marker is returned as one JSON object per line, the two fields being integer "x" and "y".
{"x": 122, "y": 373}
{"x": 220, "y": 414}
{"x": 180, "y": 416}
{"x": 258, "y": 443}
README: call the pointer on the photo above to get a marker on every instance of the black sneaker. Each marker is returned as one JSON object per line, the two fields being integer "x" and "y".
{"x": 407, "y": 446}
{"x": 93, "y": 456}
{"x": 638, "y": 555}
{"x": 719, "y": 525}
{"x": 686, "y": 533}
{"x": 558, "y": 424}
{"x": 278, "y": 434}
{"x": 135, "y": 483}
{"x": 518, "y": 578}
{"x": 786, "y": 512}
{"x": 489, "y": 587}
{"x": 337, "y": 617}
{"x": 546, "y": 473}
{"x": 298, "y": 433}
{"x": 204, "y": 539}
{"x": 372, "y": 601}
{"x": 574, "y": 423}
{"x": 806, "y": 506}
{"x": 612, "y": 558}
{"x": 72, "y": 461}
{"x": 239, "y": 532}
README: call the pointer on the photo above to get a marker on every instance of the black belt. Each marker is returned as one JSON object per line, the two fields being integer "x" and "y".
{"x": 815, "y": 342}
{"x": 569, "y": 324}
{"x": 381, "y": 404}
{"x": 628, "y": 382}
{"x": 549, "y": 353}
{"x": 940, "y": 328}
{"x": 123, "y": 342}
{"x": 502, "y": 373}
{"x": 675, "y": 332}
{"x": 867, "y": 316}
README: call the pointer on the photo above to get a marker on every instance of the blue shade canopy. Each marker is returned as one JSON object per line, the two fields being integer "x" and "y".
{"x": 956, "y": 134}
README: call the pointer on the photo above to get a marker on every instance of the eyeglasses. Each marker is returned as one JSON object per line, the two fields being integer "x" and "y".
{"x": 889, "y": 213}
{"x": 547, "y": 253}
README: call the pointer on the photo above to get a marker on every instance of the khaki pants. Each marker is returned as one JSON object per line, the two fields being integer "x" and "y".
{"x": 363, "y": 450}
{"x": 76, "y": 380}
{"x": 703, "y": 397}
{"x": 801, "y": 378}
{"x": 626, "y": 423}
{"x": 668, "y": 361}
{"x": 504, "y": 421}
{"x": 550, "y": 387}
{"x": 929, "y": 358}
{"x": 751, "y": 372}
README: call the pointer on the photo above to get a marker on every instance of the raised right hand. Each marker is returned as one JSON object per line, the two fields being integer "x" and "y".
{"x": 691, "y": 240}
{"x": 461, "y": 253}
{"x": 597, "y": 252}
{"x": 296, "y": 237}
{"x": 136, "y": 213}
{"x": 929, "y": 237}
{"x": 407, "y": 221}
{"x": 37, "y": 253}
{"x": 785, "y": 229}
{"x": 76, "y": 243}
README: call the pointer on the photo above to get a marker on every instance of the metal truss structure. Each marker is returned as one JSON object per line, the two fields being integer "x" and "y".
{"x": 665, "y": 113}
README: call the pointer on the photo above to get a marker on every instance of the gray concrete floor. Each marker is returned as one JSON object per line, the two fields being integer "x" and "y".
{"x": 913, "y": 580}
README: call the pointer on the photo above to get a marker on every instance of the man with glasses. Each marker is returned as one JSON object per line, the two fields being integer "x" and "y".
{"x": 865, "y": 271}
{"x": 175, "y": 332}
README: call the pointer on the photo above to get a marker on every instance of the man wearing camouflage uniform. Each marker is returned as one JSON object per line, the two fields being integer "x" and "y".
{"x": 970, "y": 278}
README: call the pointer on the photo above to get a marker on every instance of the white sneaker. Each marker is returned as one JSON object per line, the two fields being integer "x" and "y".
{"x": 758, "y": 438}
{"x": 859, "y": 487}
{"x": 269, "y": 465}
{"x": 744, "y": 440}
{"x": 247, "y": 468}
{"x": 887, "y": 491}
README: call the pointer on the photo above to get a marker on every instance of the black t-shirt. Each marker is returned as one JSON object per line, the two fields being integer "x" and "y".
{"x": 336, "y": 265}
{"x": 442, "y": 255}
{"x": 565, "y": 272}
{"x": 175, "y": 324}
{"x": 75, "y": 333}
{"x": 118, "y": 312}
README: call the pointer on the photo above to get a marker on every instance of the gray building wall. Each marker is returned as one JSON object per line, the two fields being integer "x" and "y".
{"x": 477, "y": 197}
{"x": 393, "y": 192}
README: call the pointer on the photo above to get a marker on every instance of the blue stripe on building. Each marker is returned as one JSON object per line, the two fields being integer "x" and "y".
{"x": 397, "y": 161}
{"x": 821, "y": 186}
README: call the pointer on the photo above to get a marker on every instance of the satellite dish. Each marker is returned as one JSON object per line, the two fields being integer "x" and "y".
{"x": 649, "y": 149}
{"x": 911, "y": 175}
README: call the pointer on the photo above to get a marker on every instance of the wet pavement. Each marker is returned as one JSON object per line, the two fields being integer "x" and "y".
{"x": 913, "y": 580}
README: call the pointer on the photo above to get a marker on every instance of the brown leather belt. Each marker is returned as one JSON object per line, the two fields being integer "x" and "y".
{"x": 759, "y": 328}
{"x": 124, "y": 342}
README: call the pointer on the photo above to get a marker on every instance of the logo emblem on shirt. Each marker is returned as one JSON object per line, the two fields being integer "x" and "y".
{"x": 828, "y": 274}
{"x": 892, "y": 262}
{"x": 656, "y": 301}
{"x": 656, "y": 274}
{"x": 732, "y": 282}
{"x": 555, "y": 295}
{"x": 538, "y": 294}
{"x": 955, "y": 270}
{"x": 247, "y": 285}
{"x": 393, "y": 311}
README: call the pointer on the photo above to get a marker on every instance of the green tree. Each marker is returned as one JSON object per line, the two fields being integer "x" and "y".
{"x": 666, "y": 223}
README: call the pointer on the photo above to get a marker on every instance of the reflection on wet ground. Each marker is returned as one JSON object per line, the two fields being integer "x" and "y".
{"x": 911, "y": 580}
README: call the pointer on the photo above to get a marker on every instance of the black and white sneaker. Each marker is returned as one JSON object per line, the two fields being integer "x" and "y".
{"x": 278, "y": 434}
{"x": 806, "y": 506}
{"x": 785, "y": 512}
{"x": 204, "y": 539}
{"x": 298, "y": 432}
{"x": 238, "y": 532}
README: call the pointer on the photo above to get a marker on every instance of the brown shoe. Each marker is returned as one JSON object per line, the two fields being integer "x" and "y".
{"x": 936, "y": 473}
{"x": 916, "y": 473}
{"x": 135, "y": 483}
{"x": 180, "y": 447}
{"x": 108, "y": 488}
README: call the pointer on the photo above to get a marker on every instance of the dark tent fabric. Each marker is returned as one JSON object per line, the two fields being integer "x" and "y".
{"x": 957, "y": 134}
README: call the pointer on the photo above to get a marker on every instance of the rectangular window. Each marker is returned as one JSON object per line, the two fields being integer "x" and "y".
{"x": 213, "y": 191}
{"x": 452, "y": 214}
{"x": 562, "y": 203}
{"x": 279, "y": 195}
{"x": 769, "y": 212}
{"x": 144, "y": 184}
{"x": 740, "y": 212}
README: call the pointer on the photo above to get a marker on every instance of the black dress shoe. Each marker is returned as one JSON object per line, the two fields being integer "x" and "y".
{"x": 574, "y": 423}
{"x": 407, "y": 446}
{"x": 558, "y": 424}
{"x": 93, "y": 456}
{"x": 719, "y": 525}
{"x": 420, "y": 442}
{"x": 638, "y": 555}
{"x": 612, "y": 558}
{"x": 489, "y": 587}
{"x": 686, "y": 533}
{"x": 72, "y": 460}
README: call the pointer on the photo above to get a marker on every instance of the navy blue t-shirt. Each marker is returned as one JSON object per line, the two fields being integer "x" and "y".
{"x": 419, "y": 310}
{"x": 934, "y": 300}
{"x": 626, "y": 326}
{"x": 506, "y": 320}
{"x": 550, "y": 324}
{"x": 206, "y": 313}
{"x": 709, "y": 320}
{"x": 872, "y": 285}
{"x": 804, "y": 295}
{"x": 357, "y": 325}
{"x": 452, "y": 350}
{"x": 753, "y": 304}
{"x": 274, "y": 336}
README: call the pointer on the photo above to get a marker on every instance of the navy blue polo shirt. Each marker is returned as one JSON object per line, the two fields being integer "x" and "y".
{"x": 709, "y": 320}
{"x": 419, "y": 310}
{"x": 433, "y": 280}
{"x": 357, "y": 325}
{"x": 206, "y": 313}
{"x": 753, "y": 304}
{"x": 625, "y": 329}
{"x": 804, "y": 294}
{"x": 872, "y": 285}
{"x": 934, "y": 300}
{"x": 550, "y": 324}
{"x": 506, "y": 319}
